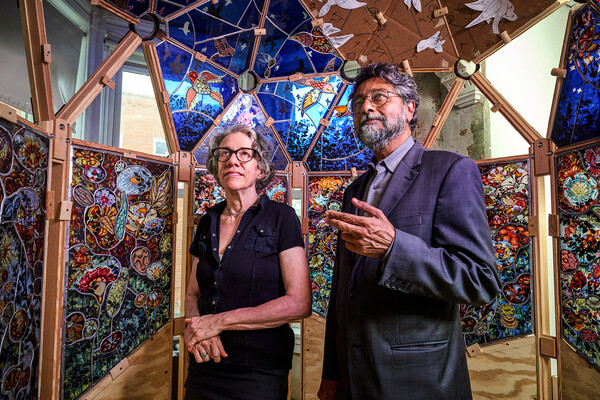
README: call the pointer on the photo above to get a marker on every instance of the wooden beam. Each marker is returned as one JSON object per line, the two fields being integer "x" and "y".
{"x": 54, "y": 279}
{"x": 540, "y": 277}
{"x": 94, "y": 85}
{"x": 34, "y": 35}
{"x": 115, "y": 10}
{"x": 543, "y": 150}
{"x": 443, "y": 113}
{"x": 508, "y": 111}
{"x": 162, "y": 96}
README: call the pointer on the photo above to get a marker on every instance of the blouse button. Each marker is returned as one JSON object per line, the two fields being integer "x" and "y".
{"x": 261, "y": 231}
{"x": 214, "y": 248}
{"x": 238, "y": 231}
{"x": 215, "y": 283}
{"x": 214, "y": 234}
{"x": 214, "y": 302}
{"x": 228, "y": 247}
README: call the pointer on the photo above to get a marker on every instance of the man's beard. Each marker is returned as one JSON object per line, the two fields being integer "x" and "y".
{"x": 377, "y": 138}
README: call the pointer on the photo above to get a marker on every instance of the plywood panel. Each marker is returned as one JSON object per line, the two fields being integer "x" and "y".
{"x": 579, "y": 379}
{"x": 504, "y": 371}
{"x": 148, "y": 375}
{"x": 312, "y": 346}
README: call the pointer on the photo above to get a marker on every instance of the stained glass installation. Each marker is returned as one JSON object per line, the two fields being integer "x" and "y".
{"x": 207, "y": 192}
{"x": 292, "y": 44}
{"x": 198, "y": 92}
{"x": 576, "y": 118}
{"x": 223, "y": 32}
{"x": 297, "y": 108}
{"x": 578, "y": 174}
{"x": 245, "y": 110}
{"x": 118, "y": 289}
{"x": 23, "y": 182}
{"x": 507, "y": 197}
{"x": 338, "y": 148}
{"x": 324, "y": 193}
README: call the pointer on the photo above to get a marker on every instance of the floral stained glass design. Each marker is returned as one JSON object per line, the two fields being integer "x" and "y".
{"x": 324, "y": 193}
{"x": 23, "y": 182}
{"x": 207, "y": 192}
{"x": 118, "y": 289}
{"x": 507, "y": 196}
{"x": 576, "y": 118}
{"x": 578, "y": 174}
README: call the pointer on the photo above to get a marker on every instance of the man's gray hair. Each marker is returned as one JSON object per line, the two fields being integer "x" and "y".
{"x": 405, "y": 85}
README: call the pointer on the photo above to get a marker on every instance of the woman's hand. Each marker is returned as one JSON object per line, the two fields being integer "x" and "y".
{"x": 202, "y": 327}
{"x": 207, "y": 349}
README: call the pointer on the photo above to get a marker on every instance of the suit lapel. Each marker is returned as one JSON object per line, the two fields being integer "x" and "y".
{"x": 403, "y": 178}
{"x": 357, "y": 189}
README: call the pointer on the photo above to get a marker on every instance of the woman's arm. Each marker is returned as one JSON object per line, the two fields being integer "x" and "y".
{"x": 212, "y": 347}
{"x": 193, "y": 293}
{"x": 295, "y": 304}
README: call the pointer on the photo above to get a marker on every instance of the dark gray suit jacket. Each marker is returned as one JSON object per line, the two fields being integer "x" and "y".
{"x": 396, "y": 334}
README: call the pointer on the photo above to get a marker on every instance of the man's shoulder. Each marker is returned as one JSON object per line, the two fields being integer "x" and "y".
{"x": 444, "y": 157}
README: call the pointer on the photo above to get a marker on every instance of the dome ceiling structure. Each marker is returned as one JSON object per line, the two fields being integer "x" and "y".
{"x": 285, "y": 67}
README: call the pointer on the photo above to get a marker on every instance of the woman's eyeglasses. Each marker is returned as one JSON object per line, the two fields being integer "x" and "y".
{"x": 243, "y": 154}
{"x": 377, "y": 97}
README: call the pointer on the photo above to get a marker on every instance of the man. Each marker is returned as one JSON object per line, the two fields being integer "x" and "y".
{"x": 414, "y": 244}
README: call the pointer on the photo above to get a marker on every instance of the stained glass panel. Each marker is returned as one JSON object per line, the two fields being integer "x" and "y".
{"x": 292, "y": 44}
{"x": 324, "y": 193}
{"x": 338, "y": 148}
{"x": 118, "y": 290}
{"x": 245, "y": 110}
{"x": 23, "y": 178}
{"x": 297, "y": 108}
{"x": 578, "y": 174}
{"x": 222, "y": 31}
{"x": 198, "y": 92}
{"x": 507, "y": 196}
{"x": 576, "y": 118}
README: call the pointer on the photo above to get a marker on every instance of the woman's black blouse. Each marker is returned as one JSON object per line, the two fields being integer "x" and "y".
{"x": 248, "y": 275}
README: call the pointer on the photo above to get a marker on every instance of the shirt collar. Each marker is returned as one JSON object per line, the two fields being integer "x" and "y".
{"x": 392, "y": 161}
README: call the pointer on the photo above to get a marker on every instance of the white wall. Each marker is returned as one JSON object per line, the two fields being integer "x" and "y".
{"x": 520, "y": 71}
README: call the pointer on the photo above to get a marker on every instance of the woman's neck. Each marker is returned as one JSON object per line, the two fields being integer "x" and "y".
{"x": 238, "y": 203}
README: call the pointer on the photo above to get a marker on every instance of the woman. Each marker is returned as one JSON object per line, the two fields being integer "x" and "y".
{"x": 249, "y": 279}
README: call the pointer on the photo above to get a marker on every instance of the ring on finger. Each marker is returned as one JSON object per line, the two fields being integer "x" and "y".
{"x": 204, "y": 355}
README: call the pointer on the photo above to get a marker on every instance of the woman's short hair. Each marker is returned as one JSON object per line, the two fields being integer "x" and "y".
{"x": 262, "y": 152}
{"x": 405, "y": 85}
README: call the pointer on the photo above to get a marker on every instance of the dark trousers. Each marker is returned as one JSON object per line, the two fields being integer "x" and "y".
{"x": 212, "y": 381}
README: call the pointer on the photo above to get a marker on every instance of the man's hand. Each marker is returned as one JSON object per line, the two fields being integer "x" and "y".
{"x": 369, "y": 236}
{"x": 327, "y": 390}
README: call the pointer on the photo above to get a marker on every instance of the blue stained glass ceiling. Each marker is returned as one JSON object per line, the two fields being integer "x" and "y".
{"x": 208, "y": 46}
{"x": 576, "y": 117}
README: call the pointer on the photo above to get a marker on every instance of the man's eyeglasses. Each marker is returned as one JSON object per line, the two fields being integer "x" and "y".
{"x": 243, "y": 154}
{"x": 377, "y": 97}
